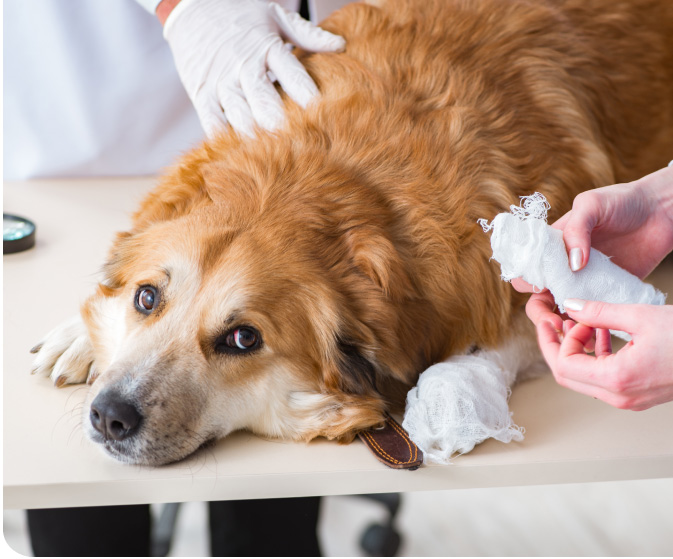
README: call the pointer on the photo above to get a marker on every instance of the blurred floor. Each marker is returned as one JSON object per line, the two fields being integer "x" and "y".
{"x": 631, "y": 518}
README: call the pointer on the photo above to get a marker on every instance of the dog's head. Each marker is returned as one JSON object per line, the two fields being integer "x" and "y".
{"x": 254, "y": 308}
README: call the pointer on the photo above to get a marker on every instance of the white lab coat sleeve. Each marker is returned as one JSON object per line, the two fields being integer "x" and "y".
{"x": 149, "y": 5}
{"x": 320, "y": 9}
{"x": 90, "y": 90}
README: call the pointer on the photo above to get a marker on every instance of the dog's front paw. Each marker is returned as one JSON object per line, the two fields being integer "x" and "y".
{"x": 65, "y": 354}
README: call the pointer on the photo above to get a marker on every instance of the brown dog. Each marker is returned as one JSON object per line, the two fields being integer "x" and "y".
{"x": 298, "y": 283}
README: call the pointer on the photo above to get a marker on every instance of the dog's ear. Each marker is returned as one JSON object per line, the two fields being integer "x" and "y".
{"x": 356, "y": 374}
{"x": 375, "y": 255}
{"x": 176, "y": 195}
{"x": 117, "y": 262}
{"x": 348, "y": 401}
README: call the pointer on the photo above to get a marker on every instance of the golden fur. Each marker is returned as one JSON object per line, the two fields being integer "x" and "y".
{"x": 349, "y": 238}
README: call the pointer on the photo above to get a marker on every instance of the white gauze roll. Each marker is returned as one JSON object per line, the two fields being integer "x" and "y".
{"x": 526, "y": 247}
{"x": 458, "y": 404}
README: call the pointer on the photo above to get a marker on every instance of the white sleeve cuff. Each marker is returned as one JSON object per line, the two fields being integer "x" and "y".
{"x": 149, "y": 5}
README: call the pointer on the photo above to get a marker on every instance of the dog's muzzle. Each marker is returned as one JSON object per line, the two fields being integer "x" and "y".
{"x": 114, "y": 417}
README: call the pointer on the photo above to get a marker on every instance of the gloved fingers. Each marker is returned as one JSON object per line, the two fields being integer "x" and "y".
{"x": 265, "y": 103}
{"x": 236, "y": 109}
{"x": 303, "y": 33}
{"x": 291, "y": 75}
{"x": 210, "y": 114}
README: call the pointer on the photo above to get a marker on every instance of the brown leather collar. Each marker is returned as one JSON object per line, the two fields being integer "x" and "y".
{"x": 392, "y": 446}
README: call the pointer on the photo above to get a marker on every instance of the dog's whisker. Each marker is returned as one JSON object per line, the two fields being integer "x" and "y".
{"x": 76, "y": 429}
{"x": 77, "y": 391}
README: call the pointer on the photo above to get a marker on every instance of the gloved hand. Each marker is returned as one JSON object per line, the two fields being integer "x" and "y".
{"x": 223, "y": 50}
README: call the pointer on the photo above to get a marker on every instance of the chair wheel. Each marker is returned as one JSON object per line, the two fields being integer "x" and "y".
{"x": 380, "y": 541}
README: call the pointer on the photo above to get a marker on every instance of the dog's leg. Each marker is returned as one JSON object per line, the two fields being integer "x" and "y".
{"x": 66, "y": 354}
{"x": 462, "y": 401}
{"x": 519, "y": 353}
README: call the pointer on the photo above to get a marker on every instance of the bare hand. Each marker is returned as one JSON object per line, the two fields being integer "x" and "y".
{"x": 633, "y": 223}
{"x": 636, "y": 377}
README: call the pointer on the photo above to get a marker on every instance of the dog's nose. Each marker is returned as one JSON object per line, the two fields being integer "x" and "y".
{"x": 114, "y": 417}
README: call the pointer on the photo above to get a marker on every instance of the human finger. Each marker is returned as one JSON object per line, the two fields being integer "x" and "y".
{"x": 524, "y": 287}
{"x": 576, "y": 337}
{"x": 265, "y": 103}
{"x": 291, "y": 75}
{"x": 590, "y": 346}
{"x": 578, "y": 227}
{"x": 580, "y": 387}
{"x": 548, "y": 338}
{"x": 603, "y": 342}
{"x": 303, "y": 33}
{"x": 561, "y": 222}
{"x": 598, "y": 314}
{"x": 540, "y": 307}
{"x": 574, "y": 365}
{"x": 594, "y": 377}
{"x": 210, "y": 114}
{"x": 236, "y": 109}
{"x": 573, "y": 368}
{"x": 567, "y": 326}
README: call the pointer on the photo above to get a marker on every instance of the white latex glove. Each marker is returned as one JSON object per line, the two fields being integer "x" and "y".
{"x": 223, "y": 50}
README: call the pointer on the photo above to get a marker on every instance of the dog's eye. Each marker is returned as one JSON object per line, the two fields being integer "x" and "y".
{"x": 239, "y": 340}
{"x": 146, "y": 299}
{"x": 243, "y": 338}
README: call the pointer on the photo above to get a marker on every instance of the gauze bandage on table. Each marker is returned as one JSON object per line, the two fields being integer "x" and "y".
{"x": 460, "y": 403}
{"x": 526, "y": 247}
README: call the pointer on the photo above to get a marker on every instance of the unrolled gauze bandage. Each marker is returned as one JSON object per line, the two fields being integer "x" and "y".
{"x": 526, "y": 247}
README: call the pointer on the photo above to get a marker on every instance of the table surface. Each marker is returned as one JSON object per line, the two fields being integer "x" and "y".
{"x": 49, "y": 463}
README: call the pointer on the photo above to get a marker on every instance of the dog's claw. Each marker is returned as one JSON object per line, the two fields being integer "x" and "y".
{"x": 93, "y": 373}
{"x": 65, "y": 355}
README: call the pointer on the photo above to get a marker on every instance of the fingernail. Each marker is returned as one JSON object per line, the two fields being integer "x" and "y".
{"x": 574, "y": 304}
{"x": 575, "y": 259}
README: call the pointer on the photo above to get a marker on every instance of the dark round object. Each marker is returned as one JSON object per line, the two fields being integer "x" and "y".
{"x": 146, "y": 298}
{"x": 18, "y": 234}
{"x": 380, "y": 541}
{"x": 114, "y": 417}
{"x": 245, "y": 338}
